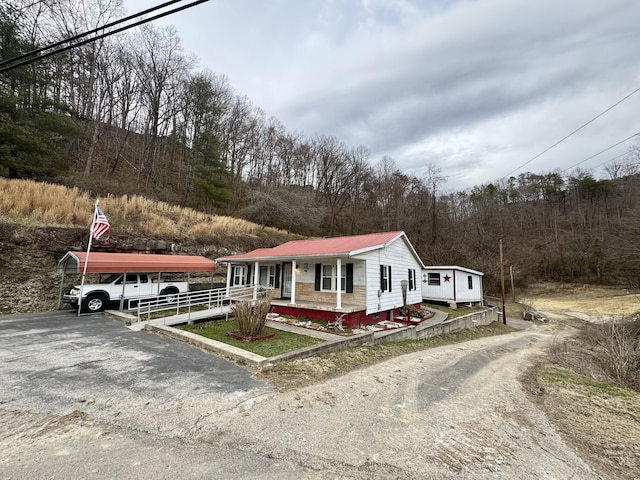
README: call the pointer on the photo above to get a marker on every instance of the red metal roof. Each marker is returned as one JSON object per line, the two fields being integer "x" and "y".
{"x": 100, "y": 262}
{"x": 320, "y": 247}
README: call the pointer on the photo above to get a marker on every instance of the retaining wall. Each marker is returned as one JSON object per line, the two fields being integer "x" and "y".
{"x": 427, "y": 330}
{"x": 342, "y": 344}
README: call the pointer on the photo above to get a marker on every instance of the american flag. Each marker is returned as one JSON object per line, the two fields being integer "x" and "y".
{"x": 100, "y": 225}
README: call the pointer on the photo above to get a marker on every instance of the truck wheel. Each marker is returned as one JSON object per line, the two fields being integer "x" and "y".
{"x": 94, "y": 303}
{"x": 171, "y": 293}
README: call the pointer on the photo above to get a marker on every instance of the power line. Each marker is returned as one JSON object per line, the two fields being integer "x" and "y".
{"x": 572, "y": 133}
{"x": 602, "y": 151}
{"x": 95, "y": 30}
{"x": 41, "y": 55}
{"x": 611, "y": 160}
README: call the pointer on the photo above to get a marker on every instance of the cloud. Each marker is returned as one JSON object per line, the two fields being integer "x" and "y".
{"x": 474, "y": 86}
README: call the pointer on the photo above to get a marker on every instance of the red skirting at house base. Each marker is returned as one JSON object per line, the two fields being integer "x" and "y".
{"x": 350, "y": 320}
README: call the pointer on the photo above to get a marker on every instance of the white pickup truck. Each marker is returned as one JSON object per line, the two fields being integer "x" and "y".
{"x": 96, "y": 296}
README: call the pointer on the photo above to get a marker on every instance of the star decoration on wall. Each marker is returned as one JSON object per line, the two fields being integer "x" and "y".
{"x": 446, "y": 278}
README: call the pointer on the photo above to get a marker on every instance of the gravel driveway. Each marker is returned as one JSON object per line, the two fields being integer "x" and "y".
{"x": 449, "y": 412}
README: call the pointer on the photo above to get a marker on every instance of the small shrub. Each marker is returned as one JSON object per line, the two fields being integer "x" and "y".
{"x": 608, "y": 352}
{"x": 619, "y": 352}
{"x": 251, "y": 316}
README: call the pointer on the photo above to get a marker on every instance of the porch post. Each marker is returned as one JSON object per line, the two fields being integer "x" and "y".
{"x": 256, "y": 279}
{"x": 228, "y": 279}
{"x": 339, "y": 283}
{"x": 293, "y": 282}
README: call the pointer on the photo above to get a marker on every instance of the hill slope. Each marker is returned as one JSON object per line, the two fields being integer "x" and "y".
{"x": 40, "y": 222}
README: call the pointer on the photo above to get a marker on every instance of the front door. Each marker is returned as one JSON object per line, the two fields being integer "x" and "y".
{"x": 287, "y": 277}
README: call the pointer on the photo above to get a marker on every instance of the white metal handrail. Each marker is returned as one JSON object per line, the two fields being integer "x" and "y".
{"x": 205, "y": 299}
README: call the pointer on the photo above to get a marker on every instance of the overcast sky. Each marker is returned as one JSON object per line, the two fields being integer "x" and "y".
{"x": 475, "y": 87}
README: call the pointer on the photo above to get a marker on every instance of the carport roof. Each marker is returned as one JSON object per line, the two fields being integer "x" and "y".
{"x": 100, "y": 262}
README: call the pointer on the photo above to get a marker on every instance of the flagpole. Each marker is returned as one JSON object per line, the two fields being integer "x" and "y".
{"x": 86, "y": 259}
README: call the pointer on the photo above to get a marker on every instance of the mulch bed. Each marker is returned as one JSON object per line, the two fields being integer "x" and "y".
{"x": 244, "y": 338}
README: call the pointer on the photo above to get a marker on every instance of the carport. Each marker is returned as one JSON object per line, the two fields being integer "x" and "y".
{"x": 101, "y": 262}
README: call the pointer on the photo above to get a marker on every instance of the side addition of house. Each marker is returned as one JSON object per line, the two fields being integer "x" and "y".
{"x": 452, "y": 285}
{"x": 364, "y": 278}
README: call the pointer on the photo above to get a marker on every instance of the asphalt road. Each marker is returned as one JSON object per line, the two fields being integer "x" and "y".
{"x": 53, "y": 362}
{"x": 85, "y": 397}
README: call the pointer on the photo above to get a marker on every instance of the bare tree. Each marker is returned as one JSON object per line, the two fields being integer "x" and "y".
{"x": 433, "y": 180}
{"x": 162, "y": 67}
{"x": 334, "y": 164}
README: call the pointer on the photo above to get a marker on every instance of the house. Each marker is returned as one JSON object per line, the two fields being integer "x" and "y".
{"x": 363, "y": 278}
{"x": 453, "y": 285}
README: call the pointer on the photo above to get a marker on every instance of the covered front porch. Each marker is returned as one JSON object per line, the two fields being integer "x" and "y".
{"x": 318, "y": 305}
{"x": 302, "y": 284}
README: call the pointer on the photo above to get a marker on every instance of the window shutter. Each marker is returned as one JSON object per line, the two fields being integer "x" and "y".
{"x": 248, "y": 279}
{"x": 389, "y": 277}
{"x": 382, "y": 285}
{"x": 276, "y": 283}
{"x": 349, "y": 288}
{"x": 233, "y": 275}
{"x": 410, "y": 281}
{"x": 318, "y": 274}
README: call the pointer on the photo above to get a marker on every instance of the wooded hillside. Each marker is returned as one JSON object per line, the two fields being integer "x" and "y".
{"x": 133, "y": 114}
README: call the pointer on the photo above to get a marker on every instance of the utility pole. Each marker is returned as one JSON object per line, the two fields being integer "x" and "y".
{"x": 504, "y": 308}
{"x": 513, "y": 289}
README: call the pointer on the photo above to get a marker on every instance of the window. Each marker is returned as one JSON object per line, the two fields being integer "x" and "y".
{"x": 470, "y": 282}
{"x": 433, "y": 279}
{"x": 267, "y": 276}
{"x": 385, "y": 278}
{"x": 412, "y": 279}
{"x": 328, "y": 278}
{"x": 238, "y": 275}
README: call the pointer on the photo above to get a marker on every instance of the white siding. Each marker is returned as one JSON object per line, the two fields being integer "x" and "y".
{"x": 458, "y": 280}
{"x": 399, "y": 257}
{"x": 463, "y": 293}
{"x": 444, "y": 291}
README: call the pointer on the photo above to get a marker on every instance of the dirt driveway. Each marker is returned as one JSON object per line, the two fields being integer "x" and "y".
{"x": 456, "y": 411}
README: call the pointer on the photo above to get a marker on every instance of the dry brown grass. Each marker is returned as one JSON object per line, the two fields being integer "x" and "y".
{"x": 606, "y": 346}
{"x": 594, "y": 301}
{"x": 36, "y": 203}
